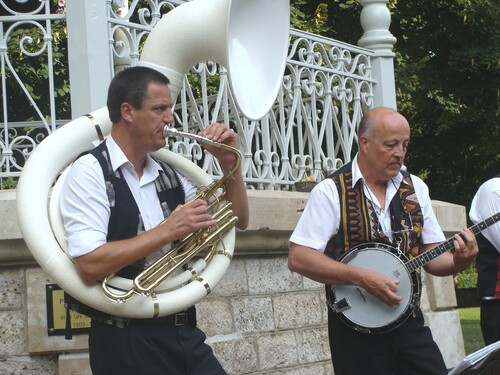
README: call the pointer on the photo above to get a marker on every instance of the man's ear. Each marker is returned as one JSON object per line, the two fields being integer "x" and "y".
{"x": 362, "y": 141}
{"x": 127, "y": 111}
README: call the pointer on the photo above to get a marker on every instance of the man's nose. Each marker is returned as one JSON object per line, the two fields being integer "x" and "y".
{"x": 168, "y": 117}
{"x": 400, "y": 151}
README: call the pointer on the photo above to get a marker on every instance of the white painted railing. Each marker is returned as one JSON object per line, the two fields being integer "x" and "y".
{"x": 310, "y": 130}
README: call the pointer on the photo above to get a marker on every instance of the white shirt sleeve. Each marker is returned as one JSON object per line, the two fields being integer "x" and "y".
{"x": 320, "y": 219}
{"x": 486, "y": 203}
{"x": 84, "y": 206}
{"x": 432, "y": 232}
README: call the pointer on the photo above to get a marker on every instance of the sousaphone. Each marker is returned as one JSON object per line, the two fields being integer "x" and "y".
{"x": 248, "y": 38}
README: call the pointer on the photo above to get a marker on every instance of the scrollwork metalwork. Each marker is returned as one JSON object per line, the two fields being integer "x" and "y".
{"x": 310, "y": 130}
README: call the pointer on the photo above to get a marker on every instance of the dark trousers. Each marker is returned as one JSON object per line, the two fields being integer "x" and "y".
{"x": 406, "y": 350}
{"x": 490, "y": 320}
{"x": 143, "y": 347}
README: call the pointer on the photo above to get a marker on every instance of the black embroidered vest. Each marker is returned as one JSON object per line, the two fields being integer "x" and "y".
{"x": 359, "y": 222}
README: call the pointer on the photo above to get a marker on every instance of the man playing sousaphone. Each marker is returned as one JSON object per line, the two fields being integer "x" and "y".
{"x": 114, "y": 203}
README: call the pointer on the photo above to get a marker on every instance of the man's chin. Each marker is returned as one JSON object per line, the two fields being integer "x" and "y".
{"x": 394, "y": 170}
{"x": 159, "y": 146}
{"x": 162, "y": 143}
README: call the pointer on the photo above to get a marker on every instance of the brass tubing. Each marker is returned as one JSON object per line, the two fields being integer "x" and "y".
{"x": 191, "y": 245}
{"x": 156, "y": 273}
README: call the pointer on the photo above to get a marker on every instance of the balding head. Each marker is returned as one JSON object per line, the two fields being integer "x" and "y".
{"x": 373, "y": 117}
{"x": 383, "y": 138}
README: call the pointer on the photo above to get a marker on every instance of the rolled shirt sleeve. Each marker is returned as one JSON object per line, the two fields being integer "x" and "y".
{"x": 85, "y": 207}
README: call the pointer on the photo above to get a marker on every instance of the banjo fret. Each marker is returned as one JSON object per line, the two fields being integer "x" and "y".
{"x": 447, "y": 245}
{"x": 429, "y": 255}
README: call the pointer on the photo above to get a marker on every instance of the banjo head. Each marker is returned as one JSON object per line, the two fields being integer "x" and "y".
{"x": 361, "y": 310}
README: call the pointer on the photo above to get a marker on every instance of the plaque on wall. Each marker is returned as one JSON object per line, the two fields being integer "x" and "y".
{"x": 58, "y": 320}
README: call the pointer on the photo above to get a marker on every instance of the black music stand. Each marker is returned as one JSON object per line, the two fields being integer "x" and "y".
{"x": 485, "y": 361}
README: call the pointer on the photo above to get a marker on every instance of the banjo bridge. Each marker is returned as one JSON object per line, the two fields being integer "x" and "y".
{"x": 341, "y": 305}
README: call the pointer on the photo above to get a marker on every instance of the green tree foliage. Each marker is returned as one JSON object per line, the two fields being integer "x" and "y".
{"x": 447, "y": 75}
{"x": 307, "y": 18}
{"x": 31, "y": 67}
{"x": 447, "y": 69}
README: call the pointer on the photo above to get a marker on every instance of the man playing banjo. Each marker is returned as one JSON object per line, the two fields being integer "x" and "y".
{"x": 372, "y": 200}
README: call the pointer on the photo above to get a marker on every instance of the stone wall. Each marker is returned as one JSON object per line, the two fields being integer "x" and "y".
{"x": 260, "y": 319}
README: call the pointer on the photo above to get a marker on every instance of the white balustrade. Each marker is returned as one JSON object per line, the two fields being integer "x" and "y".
{"x": 311, "y": 129}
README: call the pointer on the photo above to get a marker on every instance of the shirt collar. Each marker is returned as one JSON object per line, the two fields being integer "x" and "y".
{"x": 119, "y": 159}
{"x": 357, "y": 175}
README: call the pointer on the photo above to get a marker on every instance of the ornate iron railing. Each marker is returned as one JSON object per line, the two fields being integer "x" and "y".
{"x": 310, "y": 130}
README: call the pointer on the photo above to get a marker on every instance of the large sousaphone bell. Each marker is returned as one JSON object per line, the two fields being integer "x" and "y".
{"x": 248, "y": 38}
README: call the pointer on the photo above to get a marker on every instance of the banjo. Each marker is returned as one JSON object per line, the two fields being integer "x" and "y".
{"x": 365, "y": 313}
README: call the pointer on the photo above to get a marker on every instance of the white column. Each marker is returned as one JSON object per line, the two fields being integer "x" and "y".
{"x": 88, "y": 54}
{"x": 375, "y": 20}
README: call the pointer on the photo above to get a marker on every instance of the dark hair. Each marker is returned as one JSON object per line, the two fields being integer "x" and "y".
{"x": 131, "y": 85}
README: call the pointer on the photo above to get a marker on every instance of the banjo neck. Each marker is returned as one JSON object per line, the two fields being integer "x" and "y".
{"x": 429, "y": 255}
